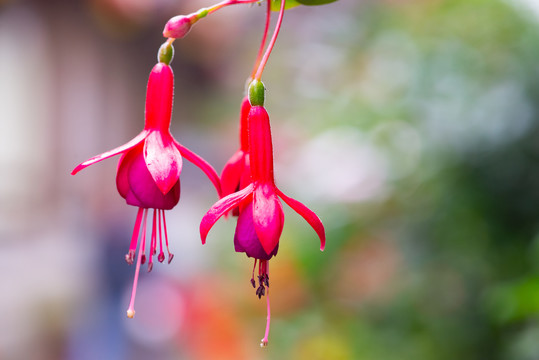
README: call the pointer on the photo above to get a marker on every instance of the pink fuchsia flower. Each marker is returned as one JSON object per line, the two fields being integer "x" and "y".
{"x": 236, "y": 173}
{"x": 148, "y": 174}
{"x": 261, "y": 217}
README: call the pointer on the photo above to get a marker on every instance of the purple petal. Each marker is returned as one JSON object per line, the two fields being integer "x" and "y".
{"x": 202, "y": 164}
{"x": 245, "y": 238}
{"x": 143, "y": 192}
{"x": 134, "y": 142}
{"x": 268, "y": 216}
{"x": 308, "y": 215}
{"x": 220, "y": 208}
{"x": 163, "y": 160}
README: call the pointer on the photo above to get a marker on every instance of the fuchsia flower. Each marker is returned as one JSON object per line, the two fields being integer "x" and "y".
{"x": 236, "y": 174}
{"x": 148, "y": 174}
{"x": 261, "y": 217}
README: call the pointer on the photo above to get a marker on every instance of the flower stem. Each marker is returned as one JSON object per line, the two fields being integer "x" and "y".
{"x": 272, "y": 42}
{"x": 264, "y": 38}
{"x": 222, "y": 4}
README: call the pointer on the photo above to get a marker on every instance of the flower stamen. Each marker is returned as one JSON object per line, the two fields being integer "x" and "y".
{"x": 253, "y": 275}
{"x": 153, "y": 242}
{"x": 131, "y": 309}
{"x": 170, "y": 255}
{"x": 130, "y": 256}
{"x": 161, "y": 255}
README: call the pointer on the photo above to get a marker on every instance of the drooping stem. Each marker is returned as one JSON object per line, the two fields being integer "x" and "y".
{"x": 264, "y": 38}
{"x": 262, "y": 65}
{"x": 222, "y": 4}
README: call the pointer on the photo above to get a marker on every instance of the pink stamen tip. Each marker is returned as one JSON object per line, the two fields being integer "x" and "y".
{"x": 161, "y": 257}
{"x": 131, "y": 308}
{"x": 143, "y": 260}
{"x": 150, "y": 266}
{"x": 170, "y": 257}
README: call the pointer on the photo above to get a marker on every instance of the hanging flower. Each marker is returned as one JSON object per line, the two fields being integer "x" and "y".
{"x": 148, "y": 174}
{"x": 261, "y": 217}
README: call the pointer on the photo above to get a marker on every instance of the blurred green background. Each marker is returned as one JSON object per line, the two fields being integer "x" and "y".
{"x": 409, "y": 126}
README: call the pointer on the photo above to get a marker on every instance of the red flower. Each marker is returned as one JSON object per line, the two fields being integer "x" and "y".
{"x": 148, "y": 174}
{"x": 236, "y": 174}
{"x": 261, "y": 217}
{"x": 261, "y": 197}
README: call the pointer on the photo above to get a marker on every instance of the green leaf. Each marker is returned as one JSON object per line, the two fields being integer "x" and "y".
{"x": 315, "y": 2}
{"x": 276, "y": 4}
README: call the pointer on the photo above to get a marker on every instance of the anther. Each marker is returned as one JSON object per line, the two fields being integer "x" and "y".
{"x": 130, "y": 257}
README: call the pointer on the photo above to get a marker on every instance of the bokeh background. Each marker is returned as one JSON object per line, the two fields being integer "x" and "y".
{"x": 411, "y": 127}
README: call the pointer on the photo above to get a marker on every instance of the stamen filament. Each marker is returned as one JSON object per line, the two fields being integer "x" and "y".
{"x": 143, "y": 252}
{"x": 161, "y": 255}
{"x": 262, "y": 65}
{"x": 130, "y": 256}
{"x": 170, "y": 255}
{"x": 253, "y": 282}
{"x": 153, "y": 242}
{"x": 131, "y": 309}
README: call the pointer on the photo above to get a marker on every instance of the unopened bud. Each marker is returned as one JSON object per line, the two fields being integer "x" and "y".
{"x": 165, "y": 53}
{"x": 178, "y": 26}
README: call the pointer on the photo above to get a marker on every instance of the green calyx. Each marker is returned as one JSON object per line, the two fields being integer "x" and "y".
{"x": 257, "y": 93}
{"x": 165, "y": 53}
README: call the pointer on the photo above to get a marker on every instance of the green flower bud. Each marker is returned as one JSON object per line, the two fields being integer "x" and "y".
{"x": 166, "y": 53}
{"x": 257, "y": 93}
